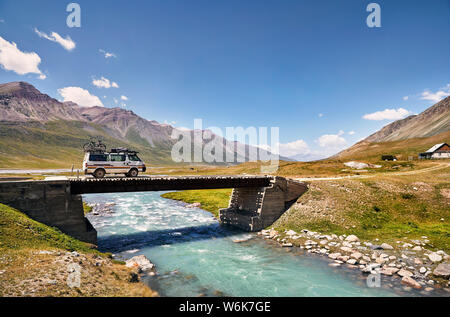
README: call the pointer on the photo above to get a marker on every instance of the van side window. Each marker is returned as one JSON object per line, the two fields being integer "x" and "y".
{"x": 98, "y": 158}
{"x": 117, "y": 158}
{"x": 134, "y": 158}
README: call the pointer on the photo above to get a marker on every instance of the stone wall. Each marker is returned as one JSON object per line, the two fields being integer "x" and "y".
{"x": 51, "y": 203}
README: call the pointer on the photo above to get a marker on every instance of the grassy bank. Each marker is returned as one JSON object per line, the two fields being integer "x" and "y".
{"x": 387, "y": 207}
{"x": 383, "y": 207}
{"x": 35, "y": 259}
{"x": 211, "y": 200}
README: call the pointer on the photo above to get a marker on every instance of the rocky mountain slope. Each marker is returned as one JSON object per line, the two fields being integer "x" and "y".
{"x": 406, "y": 137}
{"x": 21, "y": 102}
{"x": 432, "y": 121}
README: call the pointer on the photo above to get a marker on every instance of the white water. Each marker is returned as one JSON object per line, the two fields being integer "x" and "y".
{"x": 195, "y": 256}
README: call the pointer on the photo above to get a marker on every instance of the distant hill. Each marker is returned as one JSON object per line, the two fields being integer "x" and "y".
{"x": 405, "y": 137}
{"x": 37, "y": 130}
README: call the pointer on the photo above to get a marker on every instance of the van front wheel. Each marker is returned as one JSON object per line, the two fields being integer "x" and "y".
{"x": 100, "y": 173}
{"x": 133, "y": 173}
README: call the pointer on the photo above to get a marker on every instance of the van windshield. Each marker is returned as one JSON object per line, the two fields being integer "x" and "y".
{"x": 98, "y": 157}
{"x": 134, "y": 158}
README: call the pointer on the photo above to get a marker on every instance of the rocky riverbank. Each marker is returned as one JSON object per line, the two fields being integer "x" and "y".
{"x": 37, "y": 260}
{"x": 51, "y": 272}
{"x": 408, "y": 262}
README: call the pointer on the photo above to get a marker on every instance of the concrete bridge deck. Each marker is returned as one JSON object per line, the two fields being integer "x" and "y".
{"x": 163, "y": 183}
{"x": 256, "y": 201}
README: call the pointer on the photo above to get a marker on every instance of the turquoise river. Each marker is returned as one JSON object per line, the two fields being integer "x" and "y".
{"x": 194, "y": 256}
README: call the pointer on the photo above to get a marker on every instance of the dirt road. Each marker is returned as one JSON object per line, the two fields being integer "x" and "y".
{"x": 423, "y": 170}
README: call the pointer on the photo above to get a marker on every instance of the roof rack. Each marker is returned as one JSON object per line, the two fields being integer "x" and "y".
{"x": 123, "y": 150}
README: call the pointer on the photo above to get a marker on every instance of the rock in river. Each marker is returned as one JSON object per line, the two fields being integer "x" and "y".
{"x": 406, "y": 280}
{"x": 386, "y": 246}
{"x": 141, "y": 262}
{"x": 334, "y": 256}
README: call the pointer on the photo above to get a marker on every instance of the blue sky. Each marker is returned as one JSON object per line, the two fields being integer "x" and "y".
{"x": 312, "y": 68}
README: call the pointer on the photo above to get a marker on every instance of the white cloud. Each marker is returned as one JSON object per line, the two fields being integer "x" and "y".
{"x": 11, "y": 58}
{"x": 80, "y": 96}
{"x": 320, "y": 115}
{"x": 116, "y": 101}
{"x": 388, "y": 114}
{"x": 436, "y": 96}
{"x": 104, "y": 83}
{"x": 67, "y": 42}
{"x": 290, "y": 149}
{"x": 124, "y": 98}
{"x": 332, "y": 141}
{"x": 293, "y": 148}
{"x": 351, "y": 132}
{"x": 107, "y": 54}
{"x": 406, "y": 98}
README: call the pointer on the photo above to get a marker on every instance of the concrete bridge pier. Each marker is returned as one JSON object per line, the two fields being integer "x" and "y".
{"x": 51, "y": 203}
{"x": 255, "y": 208}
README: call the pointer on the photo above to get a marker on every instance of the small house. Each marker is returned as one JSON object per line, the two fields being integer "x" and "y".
{"x": 438, "y": 151}
{"x": 388, "y": 158}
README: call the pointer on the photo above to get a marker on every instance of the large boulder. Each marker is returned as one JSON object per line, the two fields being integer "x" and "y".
{"x": 386, "y": 246}
{"x": 434, "y": 257}
{"x": 356, "y": 165}
{"x": 141, "y": 263}
{"x": 442, "y": 270}
{"x": 352, "y": 238}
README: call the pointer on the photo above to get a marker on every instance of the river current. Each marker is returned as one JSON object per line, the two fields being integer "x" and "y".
{"x": 194, "y": 256}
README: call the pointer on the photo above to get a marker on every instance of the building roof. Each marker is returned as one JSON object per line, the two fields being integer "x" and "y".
{"x": 435, "y": 148}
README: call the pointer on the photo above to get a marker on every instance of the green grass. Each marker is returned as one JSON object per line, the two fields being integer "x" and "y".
{"x": 386, "y": 207}
{"x": 86, "y": 208}
{"x": 211, "y": 199}
{"x": 18, "y": 231}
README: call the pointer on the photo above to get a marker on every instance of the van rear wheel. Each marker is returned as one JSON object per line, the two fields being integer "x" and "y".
{"x": 133, "y": 173}
{"x": 100, "y": 173}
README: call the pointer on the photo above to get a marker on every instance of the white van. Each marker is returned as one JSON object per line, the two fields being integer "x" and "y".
{"x": 124, "y": 162}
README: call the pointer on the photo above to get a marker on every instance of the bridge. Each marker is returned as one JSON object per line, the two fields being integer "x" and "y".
{"x": 255, "y": 203}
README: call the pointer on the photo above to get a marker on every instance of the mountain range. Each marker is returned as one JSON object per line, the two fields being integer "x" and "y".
{"x": 29, "y": 117}
{"x": 38, "y": 130}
